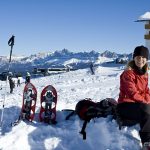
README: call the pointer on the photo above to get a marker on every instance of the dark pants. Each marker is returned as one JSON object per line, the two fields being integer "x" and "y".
{"x": 11, "y": 90}
{"x": 139, "y": 112}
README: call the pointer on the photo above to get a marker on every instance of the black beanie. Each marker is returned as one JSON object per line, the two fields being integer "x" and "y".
{"x": 141, "y": 51}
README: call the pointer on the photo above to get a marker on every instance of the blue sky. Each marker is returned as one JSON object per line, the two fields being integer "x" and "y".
{"x": 77, "y": 25}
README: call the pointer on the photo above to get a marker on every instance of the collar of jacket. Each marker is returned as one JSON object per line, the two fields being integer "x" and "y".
{"x": 131, "y": 66}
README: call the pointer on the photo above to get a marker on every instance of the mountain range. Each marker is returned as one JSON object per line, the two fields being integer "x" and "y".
{"x": 59, "y": 59}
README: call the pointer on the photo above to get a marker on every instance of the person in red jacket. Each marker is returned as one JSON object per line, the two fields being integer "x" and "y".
{"x": 134, "y": 96}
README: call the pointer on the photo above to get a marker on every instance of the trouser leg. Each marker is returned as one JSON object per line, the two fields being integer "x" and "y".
{"x": 145, "y": 123}
{"x": 139, "y": 112}
{"x": 130, "y": 111}
{"x": 11, "y": 90}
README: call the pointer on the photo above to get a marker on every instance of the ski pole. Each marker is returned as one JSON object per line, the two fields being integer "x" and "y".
{"x": 10, "y": 43}
{"x": 2, "y": 114}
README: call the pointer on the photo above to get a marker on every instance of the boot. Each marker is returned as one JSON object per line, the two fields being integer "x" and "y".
{"x": 146, "y": 146}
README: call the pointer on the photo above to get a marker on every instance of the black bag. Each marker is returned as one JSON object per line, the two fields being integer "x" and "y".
{"x": 87, "y": 109}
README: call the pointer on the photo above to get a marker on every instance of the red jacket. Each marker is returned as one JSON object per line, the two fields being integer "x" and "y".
{"x": 134, "y": 87}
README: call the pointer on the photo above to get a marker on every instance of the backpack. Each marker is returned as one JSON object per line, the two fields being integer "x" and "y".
{"x": 86, "y": 109}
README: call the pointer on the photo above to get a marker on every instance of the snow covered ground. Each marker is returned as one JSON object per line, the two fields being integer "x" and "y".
{"x": 102, "y": 134}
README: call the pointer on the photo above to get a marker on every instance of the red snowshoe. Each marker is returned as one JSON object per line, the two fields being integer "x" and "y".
{"x": 48, "y": 105}
{"x": 29, "y": 102}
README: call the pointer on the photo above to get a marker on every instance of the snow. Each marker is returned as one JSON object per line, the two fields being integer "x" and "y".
{"x": 73, "y": 60}
{"x": 145, "y": 16}
{"x": 101, "y": 60}
{"x": 102, "y": 133}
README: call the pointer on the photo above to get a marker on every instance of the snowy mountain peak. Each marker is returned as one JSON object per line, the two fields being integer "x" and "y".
{"x": 57, "y": 59}
{"x": 109, "y": 54}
